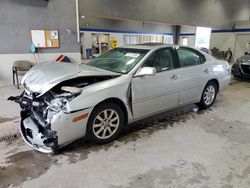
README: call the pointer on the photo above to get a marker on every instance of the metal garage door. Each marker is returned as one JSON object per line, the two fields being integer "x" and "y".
{"x": 242, "y": 45}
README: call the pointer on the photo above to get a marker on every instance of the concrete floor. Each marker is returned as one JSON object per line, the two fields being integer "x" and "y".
{"x": 181, "y": 148}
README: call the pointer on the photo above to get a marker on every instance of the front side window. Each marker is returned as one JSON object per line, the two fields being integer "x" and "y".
{"x": 161, "y": 60}
{"x": 120, "y": 60}
{"x": 188, "y": 57}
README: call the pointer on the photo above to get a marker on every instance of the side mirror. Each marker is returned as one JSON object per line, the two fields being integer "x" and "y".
{"x": 146, "y": 71}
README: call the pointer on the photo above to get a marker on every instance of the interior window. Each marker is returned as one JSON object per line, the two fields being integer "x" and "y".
{"x": 188, "y": 57}
{"x": 161, "y": 60}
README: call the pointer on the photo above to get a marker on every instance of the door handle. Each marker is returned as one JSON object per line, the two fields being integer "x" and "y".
{"x": 175, "y": 77}
{"x": 206, "y": 70}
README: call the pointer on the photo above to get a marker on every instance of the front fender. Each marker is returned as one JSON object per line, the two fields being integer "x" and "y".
{"x": 87, "y": 100}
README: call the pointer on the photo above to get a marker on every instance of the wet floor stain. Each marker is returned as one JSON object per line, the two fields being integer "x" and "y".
{"x": 230, "y": 130}
{"x": 3, "y": 120}
{"x": 28, "y": 165}
{"x": 80, "y": 149}
{"x": 156, "y": 123}
{"x": 187, "y": 175}
{"x": 24, "y": 166}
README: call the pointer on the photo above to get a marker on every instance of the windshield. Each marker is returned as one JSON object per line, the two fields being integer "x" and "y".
{"x": 120, "y": 60}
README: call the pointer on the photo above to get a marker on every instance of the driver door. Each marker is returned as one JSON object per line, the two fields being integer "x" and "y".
{"x": 152, "y": 94}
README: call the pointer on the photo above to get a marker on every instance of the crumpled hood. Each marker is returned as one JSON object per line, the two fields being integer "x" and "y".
{"x": 44, "y": 76}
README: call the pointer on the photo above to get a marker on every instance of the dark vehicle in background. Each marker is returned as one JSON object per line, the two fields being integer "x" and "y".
{"x": 241, "y": 68}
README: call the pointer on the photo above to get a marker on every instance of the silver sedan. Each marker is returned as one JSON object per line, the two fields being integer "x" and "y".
{"x": 63, "y": 102}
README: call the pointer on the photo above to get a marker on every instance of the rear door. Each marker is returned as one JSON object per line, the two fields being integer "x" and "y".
{"x": 192, "y": 73}
{"x": 151, "y": 94}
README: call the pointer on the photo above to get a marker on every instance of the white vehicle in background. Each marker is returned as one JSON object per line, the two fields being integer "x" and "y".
{"x": 63, "y": 102}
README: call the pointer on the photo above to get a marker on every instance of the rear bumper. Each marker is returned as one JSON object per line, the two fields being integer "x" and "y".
{"x": 224, "y": 82}
{"x": 44, "y": 141}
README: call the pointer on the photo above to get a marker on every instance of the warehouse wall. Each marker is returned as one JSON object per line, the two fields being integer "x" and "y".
{"x": 220, "y": 38}
{"x": 16, "y": 20}
{"x": 125, "y": 25}
{"x": 86, "y": 37}
{"x": 223, "y": 41}
{"x": 242, "y": 10}
{"x": 190, "y": 12}
{"x": 189, "y": 33}
{"x": 118, "y": 28}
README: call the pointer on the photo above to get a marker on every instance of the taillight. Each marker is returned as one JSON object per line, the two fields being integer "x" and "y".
{"x": 228, "y": 69}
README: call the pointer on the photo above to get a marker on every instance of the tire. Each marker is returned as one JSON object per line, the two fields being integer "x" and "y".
{"x": 209, "y": 95}
{"x": 105, "y": 123}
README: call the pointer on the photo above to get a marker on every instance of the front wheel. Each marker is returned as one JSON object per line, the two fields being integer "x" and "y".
{"x": 105, "y": 123}
{"x": 209, "y": 95}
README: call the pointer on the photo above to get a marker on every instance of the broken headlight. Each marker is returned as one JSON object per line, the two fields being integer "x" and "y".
{"x": 59, "y": 104}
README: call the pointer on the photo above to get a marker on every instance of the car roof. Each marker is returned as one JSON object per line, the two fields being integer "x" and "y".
{"x": 147, "y": 46}
{"x": 155, "y": 46}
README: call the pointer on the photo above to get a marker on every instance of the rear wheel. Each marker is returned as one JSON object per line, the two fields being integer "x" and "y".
{"x": 209, "y": 95}
{"x": 105, "y": 123}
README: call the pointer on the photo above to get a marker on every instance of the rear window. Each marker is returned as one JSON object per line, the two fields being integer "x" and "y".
{"x": 189, "y": 57}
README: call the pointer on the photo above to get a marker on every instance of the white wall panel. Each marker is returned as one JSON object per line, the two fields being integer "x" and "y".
{"x": 223, "y": 41}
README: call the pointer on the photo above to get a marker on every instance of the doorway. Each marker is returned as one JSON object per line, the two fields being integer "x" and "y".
{"x": 242, "y": 45}
{"x": 100, "y": 43}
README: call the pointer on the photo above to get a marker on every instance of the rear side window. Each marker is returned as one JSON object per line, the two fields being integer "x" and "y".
{"x": 189, "y": 57}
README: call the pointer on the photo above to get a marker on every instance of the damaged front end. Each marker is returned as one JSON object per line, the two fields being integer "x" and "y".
{"x": 51, "y": 116}
{"x": 37, "y": 113}
{"x": 46, "y": 118}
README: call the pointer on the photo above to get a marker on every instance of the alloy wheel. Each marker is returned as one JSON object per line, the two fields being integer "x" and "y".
{"x": 209, "y": 95}
{"x": 106, "y": 124}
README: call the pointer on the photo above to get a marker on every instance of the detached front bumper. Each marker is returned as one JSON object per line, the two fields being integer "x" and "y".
{"x": 45, "y": 141}
{"x": 47, "y": 130}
